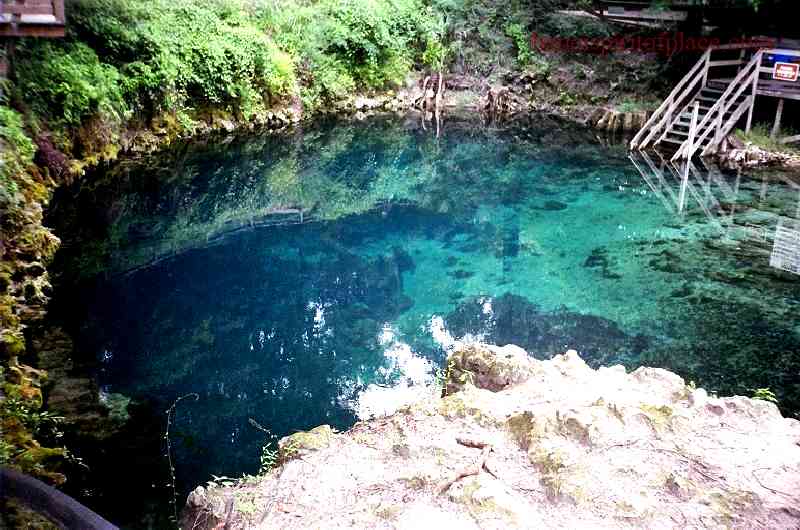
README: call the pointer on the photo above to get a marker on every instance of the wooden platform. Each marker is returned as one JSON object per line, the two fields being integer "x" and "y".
{"x": 32, "y": 18}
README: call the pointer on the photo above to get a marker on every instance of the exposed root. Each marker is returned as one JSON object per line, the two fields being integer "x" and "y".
{"x": 475, "y": 468}
{"x": 779, "y": 492}
{"x": 470, "y": 442}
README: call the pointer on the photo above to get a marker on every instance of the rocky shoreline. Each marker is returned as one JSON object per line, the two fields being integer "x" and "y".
{"x": 514, "y": 442}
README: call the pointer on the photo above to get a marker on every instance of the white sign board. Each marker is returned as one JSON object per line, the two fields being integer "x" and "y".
{"x": 785, "y": 71}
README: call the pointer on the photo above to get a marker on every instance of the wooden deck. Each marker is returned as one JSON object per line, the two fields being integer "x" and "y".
{"x": 32, "y": 18}
{"x": 675, "y": 11}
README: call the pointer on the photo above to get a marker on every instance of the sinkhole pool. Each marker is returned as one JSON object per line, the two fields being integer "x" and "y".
{"x": 319, "y": 277}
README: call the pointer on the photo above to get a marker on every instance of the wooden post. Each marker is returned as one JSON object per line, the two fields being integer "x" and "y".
{"x": 58, "y": 11}
{"x": 741, "y": 59}
{"x": 718, "y": 132}
{"x": 692, "y": 131}
{"x": 777, "y": 125}
{"x": 438, "y": 99}
{"x": 755, "y": 90}
{"x": 684, "y": 185}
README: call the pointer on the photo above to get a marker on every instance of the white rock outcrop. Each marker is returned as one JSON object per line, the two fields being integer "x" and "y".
{"x": 521, "y": 443}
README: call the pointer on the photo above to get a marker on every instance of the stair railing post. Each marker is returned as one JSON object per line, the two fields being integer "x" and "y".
{"x": 668, "y": 123}
{"x": 692, "y": 131}
{"x": 705, "y": 70}
{"x": 756, "y": 74}
{"x": 655, "y": 120}
{"x": 776, "y": 126}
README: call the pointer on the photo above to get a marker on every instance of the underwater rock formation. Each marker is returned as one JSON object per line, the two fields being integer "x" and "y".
{"x": 532, "y": 444}
{"x": 513, "y": 319}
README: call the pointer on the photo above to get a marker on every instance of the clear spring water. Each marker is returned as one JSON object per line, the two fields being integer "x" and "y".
{"x": 320, "y": 277}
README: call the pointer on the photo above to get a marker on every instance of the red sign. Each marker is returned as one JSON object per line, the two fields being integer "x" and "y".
{"x": 785, "y": 71}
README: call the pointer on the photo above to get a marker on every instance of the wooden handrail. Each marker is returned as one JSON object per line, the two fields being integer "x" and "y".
{"x": 664, "y": 117}
{"x": 735, "y": 117}
{"x": 672, "y": 116}
{"x": 722, "y": 105}
{"x": 693, "y": 125}
{"x": 26, "y": 9}
{"x": 677, "y": 115}
{"x": 725, "y": 101}
{"x": 668, "y": 101}
{"x": 667, "y": 119}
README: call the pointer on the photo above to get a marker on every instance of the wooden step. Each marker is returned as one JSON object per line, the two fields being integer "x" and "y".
{"x": 715, "y": 99}
{"x": 685, "y": 120}
{"x": 700, "y": 115}
{"x": 684, "y": 136}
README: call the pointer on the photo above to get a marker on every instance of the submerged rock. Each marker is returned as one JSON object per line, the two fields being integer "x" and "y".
{"x": 554, "y": 206}
{"x": 523, "y": 443}
{"x": 513, "y": 319}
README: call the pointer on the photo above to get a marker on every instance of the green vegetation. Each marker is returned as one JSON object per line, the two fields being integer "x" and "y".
{"x": 765, "y": 394}
{"x": 759, "y": 136}
{"x": 129, "y": 60}
{"x": 269, "y": 453}
{"x": 635, "y": 105}
{"x": 136, "y": 59}
{"x": 42, "y": 424}
{"x": 68, "y": 84}
{"x": 24, "y": 426}
{"x": 16, "y": 153}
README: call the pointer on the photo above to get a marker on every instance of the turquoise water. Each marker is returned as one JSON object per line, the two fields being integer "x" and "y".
{"x": 322, "y": 277}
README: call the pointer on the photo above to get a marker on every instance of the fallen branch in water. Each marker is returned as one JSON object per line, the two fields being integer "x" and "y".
{"x": 170, "y": 410}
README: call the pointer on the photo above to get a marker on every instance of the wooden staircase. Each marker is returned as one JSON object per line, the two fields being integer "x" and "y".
{"x": 701, "y": 111}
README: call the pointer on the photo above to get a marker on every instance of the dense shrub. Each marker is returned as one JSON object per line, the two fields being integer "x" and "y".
{"x": 16, "y": 151}
{"x": 177, "y": 53}
{"x": 143, "y": 57}
{"x": 342, "y": 44}
{"x": 113, "y": 28}
{"x": 212, "y": 53}
{"x": 68, "y": 84}
{"x": 154, "y": 55}
{"x": 375, "y": 39}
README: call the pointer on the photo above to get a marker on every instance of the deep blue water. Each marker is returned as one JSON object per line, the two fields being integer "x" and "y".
{"x": 196, "y": 272}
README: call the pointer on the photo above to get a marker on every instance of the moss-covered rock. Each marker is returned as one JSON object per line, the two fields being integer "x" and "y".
{"x": 302, "y": 443}
{"x": 487, "y": 367}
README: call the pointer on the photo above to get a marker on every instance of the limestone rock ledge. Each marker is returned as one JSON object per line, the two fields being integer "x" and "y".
{"x": 521, "y": 443}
